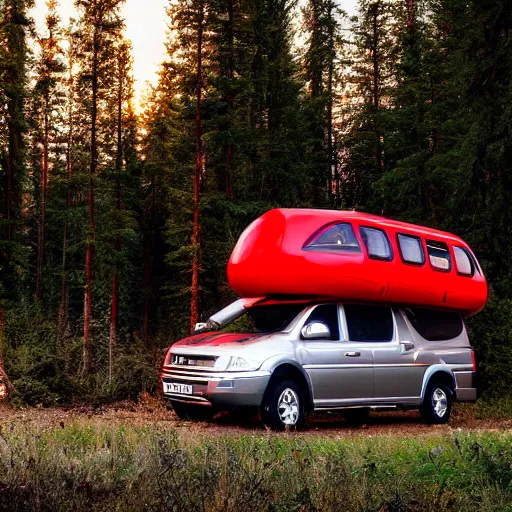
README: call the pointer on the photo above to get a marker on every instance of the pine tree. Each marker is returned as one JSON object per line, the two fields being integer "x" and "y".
{"x": 425, "y": 121}
{"x": 14, "y": 25}
{"x": 101, "y": 26}
{"x": 13, "y": 28}
{"x": 373, "y": 76}
{"x": 322, "y": 23}
{"x": 125, "y": 142}
{"x": 198, "y": 171}
{"x": 185, "y": 74}
{"x": 48, "y": 103}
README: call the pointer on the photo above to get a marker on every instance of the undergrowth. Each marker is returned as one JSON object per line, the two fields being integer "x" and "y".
{"x": 83, "y": 466}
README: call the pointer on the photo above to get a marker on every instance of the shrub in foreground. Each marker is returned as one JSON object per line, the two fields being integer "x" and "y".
{"x": 80, "y": 467}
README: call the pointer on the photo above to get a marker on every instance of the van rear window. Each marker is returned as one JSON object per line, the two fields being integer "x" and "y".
{"x": 463, "y": 262}
{"x": 435, "y": 325}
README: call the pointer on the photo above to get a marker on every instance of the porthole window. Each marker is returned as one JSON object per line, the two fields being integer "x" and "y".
{"x": 439, "y": 255}
{"x": 337, "y": 238}
{"x": 377, "y": 243}
{"x": 463, "y": 262}
{"x": 411, "y": 249}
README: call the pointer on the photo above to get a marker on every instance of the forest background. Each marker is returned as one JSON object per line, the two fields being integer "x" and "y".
{"x": 117, "y": 219}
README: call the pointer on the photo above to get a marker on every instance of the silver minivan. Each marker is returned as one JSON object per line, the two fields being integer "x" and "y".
{"x": 291, "y": 357}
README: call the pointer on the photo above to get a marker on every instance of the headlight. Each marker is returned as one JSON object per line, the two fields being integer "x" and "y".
{"x": 239, "y": 363}
{"x": 235, "y": 363}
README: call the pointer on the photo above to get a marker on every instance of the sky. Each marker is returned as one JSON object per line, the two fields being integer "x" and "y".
{"x": 146, "y": 28}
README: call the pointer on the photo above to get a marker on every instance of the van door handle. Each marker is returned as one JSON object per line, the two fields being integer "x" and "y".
{"x": 352, "y": 354}
{"x": 407, "y": 345}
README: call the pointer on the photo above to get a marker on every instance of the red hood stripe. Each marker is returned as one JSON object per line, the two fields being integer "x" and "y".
{"x": 214, "y": 339}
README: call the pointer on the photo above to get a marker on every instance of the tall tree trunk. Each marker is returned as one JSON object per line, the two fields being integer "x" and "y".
{"x": 316, "y": 67}
{"x": 146, "y": 281}
{"x": 92, "y": 227}
{"x": 148, "y": 246}
{"x": 330, "y": 79}
{"x": 317, "y": 61}
{"x": 44, "y": 190}
{"x": 64, "y": 293}
{"x": 376, "y": 85}
{"x": 113, "y": 325}
{"x": 410, "y": 14}
{"x": 230, "y": 100}
{"x": 117, "y": 244}
{"x": 14, "y": 80}
{"x": 194, "y": 304}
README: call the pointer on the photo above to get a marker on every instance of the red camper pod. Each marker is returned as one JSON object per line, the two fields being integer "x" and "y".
{"x": 355, "y": 256}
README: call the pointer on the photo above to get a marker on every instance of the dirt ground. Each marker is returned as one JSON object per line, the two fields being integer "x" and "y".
{"x": 152, "y": 412}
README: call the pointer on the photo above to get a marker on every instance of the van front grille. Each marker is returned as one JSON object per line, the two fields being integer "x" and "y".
{"x": 197, "y": 361}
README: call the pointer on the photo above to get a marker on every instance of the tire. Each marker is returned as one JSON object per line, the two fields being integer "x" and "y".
{"x": 437, "y": 404}
{"x": 193, "y": 412}
{"x": 283, "y": 406}
{"x": 356, "y": 416}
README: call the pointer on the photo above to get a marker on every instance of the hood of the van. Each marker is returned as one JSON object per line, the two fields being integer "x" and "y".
{"x": 216, "y": 339}
{"x": 258, "y": 347}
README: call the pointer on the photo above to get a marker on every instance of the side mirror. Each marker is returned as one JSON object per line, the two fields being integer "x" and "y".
{"x": 316, "y": 331}
{"x": 200, "y": 326}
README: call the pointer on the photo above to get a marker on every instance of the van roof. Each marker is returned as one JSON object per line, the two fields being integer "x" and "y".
{"x": 368, "y": 218}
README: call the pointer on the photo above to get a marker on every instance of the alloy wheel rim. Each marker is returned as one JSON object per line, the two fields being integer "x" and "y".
{"x": 440, "y": 402}
{"x": 288, "y": 407}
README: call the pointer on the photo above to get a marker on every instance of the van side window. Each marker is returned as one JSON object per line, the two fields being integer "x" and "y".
{"x": 328, "y": 314}
{"x": 411, "y": 249}
{"x": 439, "y": 256}
{"x": 435, "y": 325}
{"x": 334, "y": 238}
{"x": 368, "y": 323}
{"x": 377, "y": 243}
{"x": 463, "y": 262}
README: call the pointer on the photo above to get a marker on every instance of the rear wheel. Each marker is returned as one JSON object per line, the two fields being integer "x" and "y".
{"x": 193, "y": 412}
{"x": 437, "y": 404}
{"x": 283, "y": 406}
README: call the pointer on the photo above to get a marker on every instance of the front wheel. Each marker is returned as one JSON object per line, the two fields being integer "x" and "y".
{"x": 283, "y": 406}
{"x": 437, "y": 404}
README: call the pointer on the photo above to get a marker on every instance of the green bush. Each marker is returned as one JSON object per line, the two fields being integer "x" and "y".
{"x": 31, "y": 358}
{"x": 491, "y": 335}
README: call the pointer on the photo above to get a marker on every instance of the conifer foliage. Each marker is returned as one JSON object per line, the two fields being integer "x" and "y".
{"x": 117, "y": 219}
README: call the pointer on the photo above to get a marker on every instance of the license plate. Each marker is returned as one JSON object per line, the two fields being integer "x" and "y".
{"x": 173, "y": 387}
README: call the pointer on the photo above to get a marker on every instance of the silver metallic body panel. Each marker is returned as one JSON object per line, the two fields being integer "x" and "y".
{"x": 338, "y": 373}
{"x": 337, "y": 369}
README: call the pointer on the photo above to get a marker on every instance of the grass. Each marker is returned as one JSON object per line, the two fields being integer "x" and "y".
{"x": 491, "y": 408}
{"x": 86, "y": 466}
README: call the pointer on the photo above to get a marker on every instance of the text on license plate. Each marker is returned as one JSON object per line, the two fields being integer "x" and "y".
{"x": 173, "y": 387}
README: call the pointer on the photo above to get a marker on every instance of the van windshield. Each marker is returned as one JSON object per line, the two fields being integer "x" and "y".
{"x": 263, "y": 319}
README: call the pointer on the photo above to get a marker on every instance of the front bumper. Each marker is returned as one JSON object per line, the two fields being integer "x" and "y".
{"x": 465, "y": 386}
{"x": 223, "y": 389}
